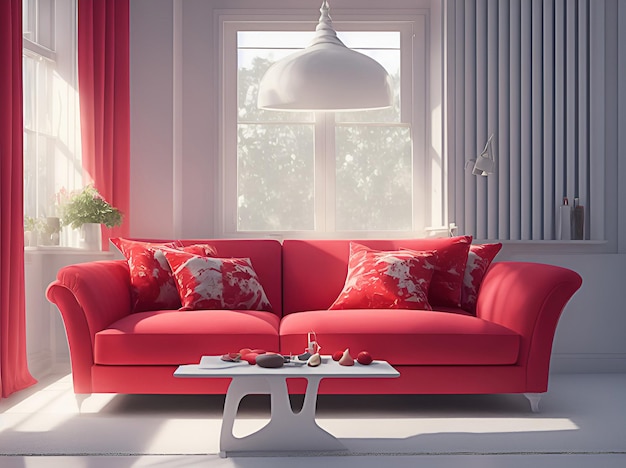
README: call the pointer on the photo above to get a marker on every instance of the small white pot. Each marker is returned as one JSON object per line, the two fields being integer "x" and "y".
{"x": 90, "y": 236}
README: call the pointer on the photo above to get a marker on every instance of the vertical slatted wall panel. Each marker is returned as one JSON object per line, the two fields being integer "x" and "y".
{"x": 597, "y": 124}
{"x": 493, "y": 55}
{"x": 559, "y": 99}
{"x": 481, "y": 107}
{"x": 469, "y": 40}
{"x": 459, "y": 102}
{"x": 583, "y": 103}
{"x": 503, "y": 138}
{"x": 526, "y": 98}
{"x": 549, "y": 124}
{"x": 537, "y": 124}
{"x": 515, "y": 117}
{"x": 570, "y": 96}
{"x": 523, "y": 71}
{"x": 621, "y": 119}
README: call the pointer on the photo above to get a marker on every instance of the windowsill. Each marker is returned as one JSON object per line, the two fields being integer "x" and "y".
{"x": 58, "y": 249}
{"x": 553, "y": 247}
{"x": 543, "y": 242}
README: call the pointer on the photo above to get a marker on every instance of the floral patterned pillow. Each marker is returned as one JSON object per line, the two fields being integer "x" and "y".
{"x": 204, "y": 250}
{"x": 478, "y": 260}
{"x": 216, "y": 283}
{"x": 386, "y": 279}
{"x": 151, "y": 280}
{"x": 447, "y": 280}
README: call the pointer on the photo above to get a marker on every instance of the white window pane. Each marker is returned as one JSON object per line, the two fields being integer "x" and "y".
{"x": 30, "y": 174}
{"x": 43, "y": 96}
{"x": 29, "y": 77}
{"x": 274, "y": 39}
{"x": 275, "y": 167}
{"x": 46, "y": 10}
{"x": 370, "y": 39}
{"x": 29, "y": 12}
{"x": 374, "y": 178}
{"x": 300, "y": 39}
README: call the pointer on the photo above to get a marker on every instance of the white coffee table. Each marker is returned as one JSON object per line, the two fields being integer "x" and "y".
{"x": 286, "y": 431}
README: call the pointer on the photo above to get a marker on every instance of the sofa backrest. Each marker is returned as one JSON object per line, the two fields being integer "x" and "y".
{"x": 314, "y": 271}
{"x": 265, "y": 255}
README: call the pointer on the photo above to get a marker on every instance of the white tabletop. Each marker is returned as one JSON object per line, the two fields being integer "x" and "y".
{"x": 213, "y": 366}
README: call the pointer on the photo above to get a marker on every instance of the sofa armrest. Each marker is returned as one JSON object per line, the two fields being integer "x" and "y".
{"x": 90, "y": 296}
{"x": 528, "y": 298}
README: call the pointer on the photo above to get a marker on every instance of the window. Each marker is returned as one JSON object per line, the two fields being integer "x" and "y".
{"x": 52, "y": 161}
{"x": 313, "y": 173}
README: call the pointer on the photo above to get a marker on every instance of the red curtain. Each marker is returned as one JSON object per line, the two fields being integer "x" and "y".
{"x": 14, "y": 374}
{"x": 104, "y": 89}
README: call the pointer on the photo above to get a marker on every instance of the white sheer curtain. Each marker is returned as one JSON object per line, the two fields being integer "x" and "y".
{"x": 52, "y": 153}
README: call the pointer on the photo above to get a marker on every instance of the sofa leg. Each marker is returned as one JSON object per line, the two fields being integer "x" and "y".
{"x": 534, "y": 399}
{"x": 80, "y": 398}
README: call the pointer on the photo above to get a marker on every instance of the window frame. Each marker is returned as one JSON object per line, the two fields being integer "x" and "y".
{"x": 415, "y": 112}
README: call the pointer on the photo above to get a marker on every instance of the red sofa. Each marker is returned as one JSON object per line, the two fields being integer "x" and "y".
{"x": 504, "y": 348}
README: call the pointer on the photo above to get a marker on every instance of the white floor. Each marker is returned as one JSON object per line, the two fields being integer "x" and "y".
{"x": 582, "y": 423}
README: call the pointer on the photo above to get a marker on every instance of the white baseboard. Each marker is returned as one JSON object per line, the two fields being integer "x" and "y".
{"x": 40, "y": 364}
{"x": 588, "y": 363}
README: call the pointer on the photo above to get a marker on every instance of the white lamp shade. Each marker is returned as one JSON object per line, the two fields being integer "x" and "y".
{"x": 484, "y": 166}
{"x": 326, "y": 76}
{"x": 485, "y": 163}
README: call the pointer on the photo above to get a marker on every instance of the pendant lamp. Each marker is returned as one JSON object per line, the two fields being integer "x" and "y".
{"x": 325, "y": 76}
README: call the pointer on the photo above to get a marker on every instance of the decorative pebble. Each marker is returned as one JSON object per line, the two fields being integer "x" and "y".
{"x": 250, "y": 358}
{"x": 231, "y": 357}
{"x": 364, "y": 358}
{"x": 270, "y": 360}
{"x": 337, "y": 355}
{"x": 315, "y": 360}
{"x": 304, "y": 356}
{"x": 346, "y": 359}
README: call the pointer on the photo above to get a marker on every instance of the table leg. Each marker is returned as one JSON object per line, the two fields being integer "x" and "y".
{"x": 237, "y": 390}
{"x": 286, "y": 431}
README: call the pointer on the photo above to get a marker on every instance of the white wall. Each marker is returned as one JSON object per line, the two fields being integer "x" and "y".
{"x": 590, "y": 334}
{"x": 175, "y": 170}
{"x": 46, "y": 342}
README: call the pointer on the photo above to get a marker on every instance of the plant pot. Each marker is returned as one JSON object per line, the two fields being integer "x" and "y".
{"x": 90, "y": 236}
{"x": 28, "y": 238}
{"x": 53, "y": 228}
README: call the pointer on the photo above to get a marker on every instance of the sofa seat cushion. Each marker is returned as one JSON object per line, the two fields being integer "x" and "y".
{"x": 404, "y": 337}
{"x": 170, "y": 337}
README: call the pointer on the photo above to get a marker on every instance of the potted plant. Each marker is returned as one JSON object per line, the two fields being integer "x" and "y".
{"x": 87, "y": 210}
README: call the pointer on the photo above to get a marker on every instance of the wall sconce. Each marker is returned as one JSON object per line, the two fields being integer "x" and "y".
{"x": 325, "y": 76}
{"x": 485, "y": 163}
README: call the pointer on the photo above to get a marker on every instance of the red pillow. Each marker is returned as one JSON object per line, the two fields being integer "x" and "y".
{"x": 478, "y": 260}
{"x": 204, "y": 250}
{"x": 386, "y": 279}
{"x": 151, "y": 280}
{"x": 216, "y": 283}
{"x": 447, "y": 281}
